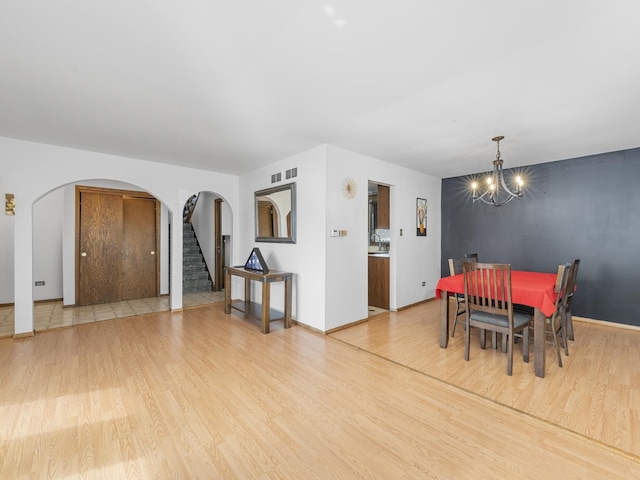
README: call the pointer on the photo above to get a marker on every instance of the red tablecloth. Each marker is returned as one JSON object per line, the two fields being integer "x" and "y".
{"x": 534, "y": 289}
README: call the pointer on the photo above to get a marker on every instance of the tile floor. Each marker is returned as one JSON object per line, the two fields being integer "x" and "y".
{"x": 52, "y": 314}
{"x": 376, "y": 310}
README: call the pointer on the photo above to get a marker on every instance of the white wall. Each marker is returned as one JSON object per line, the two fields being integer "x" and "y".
{"x": 306, "y": 258}
{"x": 7, "y": 223}
{"x": 48, "y": 215}
{"x": 413, "y": 259}
{"x": 330, "y": 273}
{"x": 37, "y": 169}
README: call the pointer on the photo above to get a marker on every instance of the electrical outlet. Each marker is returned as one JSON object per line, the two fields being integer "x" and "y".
{"x": 424, "y": 284}
{"x": 39, "y": 283}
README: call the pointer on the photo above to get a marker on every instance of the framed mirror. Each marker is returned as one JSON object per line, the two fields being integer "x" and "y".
{"x": 276, "y": 214}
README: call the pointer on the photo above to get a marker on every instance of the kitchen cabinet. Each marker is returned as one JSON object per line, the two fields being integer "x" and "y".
{"x": 379, "y": 281}
{"x": 383, "y": 207}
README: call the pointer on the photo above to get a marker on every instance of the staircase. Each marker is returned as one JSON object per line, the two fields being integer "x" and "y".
{"x": 195, "y": 276}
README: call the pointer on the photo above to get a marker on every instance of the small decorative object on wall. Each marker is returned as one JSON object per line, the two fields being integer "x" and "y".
{"x": 349, "y": 188}
{"x": 9, "y": 204}
{"x": 421, "y": 217}
{"x": 256, "y": 263}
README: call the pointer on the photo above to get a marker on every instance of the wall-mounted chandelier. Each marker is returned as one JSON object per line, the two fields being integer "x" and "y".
{"x": 495, "y": 190}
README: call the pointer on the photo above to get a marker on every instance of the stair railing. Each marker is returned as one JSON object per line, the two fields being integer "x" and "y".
{"x": 189, "y": 207}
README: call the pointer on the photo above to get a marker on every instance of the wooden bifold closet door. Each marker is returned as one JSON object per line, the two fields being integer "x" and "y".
{"x": 117, "y": 245}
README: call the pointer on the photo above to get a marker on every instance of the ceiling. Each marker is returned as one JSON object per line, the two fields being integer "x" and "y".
{"x": 231, "y": 86}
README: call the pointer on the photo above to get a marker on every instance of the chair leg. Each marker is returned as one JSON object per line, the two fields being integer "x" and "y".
{"x": 509, "y": 354}
{"x": 565, "y": 340}
{"x": 569, "y": 324}
{"x": 525, "y": 344}
{"x": 455, "y": 318}
{"x": 554, "y": 334}
{"x": 467, "y": 340}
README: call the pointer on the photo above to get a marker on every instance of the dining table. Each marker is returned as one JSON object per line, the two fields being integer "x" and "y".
{"x": 533, "y": 289}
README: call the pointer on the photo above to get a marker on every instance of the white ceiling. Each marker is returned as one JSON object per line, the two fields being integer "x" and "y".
{"x": 234, "y": 85}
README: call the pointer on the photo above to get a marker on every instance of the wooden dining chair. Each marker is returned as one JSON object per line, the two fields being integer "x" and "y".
{"x": 555, "y": 324}
{"x": 568, "y": 300}
{"x": 455, "y": 268}
{"x": 471, "y": 257}
{"x": 487, "y": 292}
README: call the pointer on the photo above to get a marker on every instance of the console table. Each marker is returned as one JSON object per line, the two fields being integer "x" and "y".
{"x": 263, "y": 312}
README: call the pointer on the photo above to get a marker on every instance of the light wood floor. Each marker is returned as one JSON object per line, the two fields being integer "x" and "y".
{"x": 201, "y": 394}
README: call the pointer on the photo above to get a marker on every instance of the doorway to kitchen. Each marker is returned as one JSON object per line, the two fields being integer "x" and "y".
{"x": 378, "y": 248}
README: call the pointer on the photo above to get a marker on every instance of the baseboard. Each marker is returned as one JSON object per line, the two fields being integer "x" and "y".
{"x": 606, "y": 323}
{"x": 342, "y": 327}
{"x": 308, "y": 327}
{"x": 48, "y": 300}
{"x": 427, "y": 300}
{"x": 25, "y": 334}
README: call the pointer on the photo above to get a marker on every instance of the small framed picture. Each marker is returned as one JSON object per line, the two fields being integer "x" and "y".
{"x": 421, "y": 217}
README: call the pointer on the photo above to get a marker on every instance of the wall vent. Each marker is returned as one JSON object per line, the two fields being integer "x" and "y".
{"x": 292, "y": 172}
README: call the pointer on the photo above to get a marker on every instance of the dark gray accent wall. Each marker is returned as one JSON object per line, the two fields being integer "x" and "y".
{"x": 587, "y": 208}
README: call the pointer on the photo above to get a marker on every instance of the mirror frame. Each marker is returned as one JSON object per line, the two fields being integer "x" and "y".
{"x": 291, "y": 187}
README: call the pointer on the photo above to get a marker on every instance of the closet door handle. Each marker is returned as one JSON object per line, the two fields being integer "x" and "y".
{"x": 83, "y": 254}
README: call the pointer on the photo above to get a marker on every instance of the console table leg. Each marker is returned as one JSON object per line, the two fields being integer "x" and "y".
{"x": 287, "y": 303}
{"x": 247, "y": 289}
{"x": 266, "y": 306}
{"x": 227, "y": 292}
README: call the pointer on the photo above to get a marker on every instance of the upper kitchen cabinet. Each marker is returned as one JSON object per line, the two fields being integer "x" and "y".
{"x": 383, "y": 207}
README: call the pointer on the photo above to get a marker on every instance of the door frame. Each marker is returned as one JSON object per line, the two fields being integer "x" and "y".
{"x": 218, "y": 280}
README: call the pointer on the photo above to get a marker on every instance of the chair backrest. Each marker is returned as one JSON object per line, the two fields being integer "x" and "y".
{"x": 455, "y": 266}
{"x": 573, "y": 276}
{"x": 487, "y": 287}
{"x": 561, "y": 287}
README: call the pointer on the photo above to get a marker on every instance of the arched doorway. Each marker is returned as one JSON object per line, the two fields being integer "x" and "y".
{"x": 206, "y": 247}
{"x": 57, "y": 250}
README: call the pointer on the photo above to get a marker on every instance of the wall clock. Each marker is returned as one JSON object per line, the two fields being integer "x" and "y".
{"x": 349, "y": 188}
